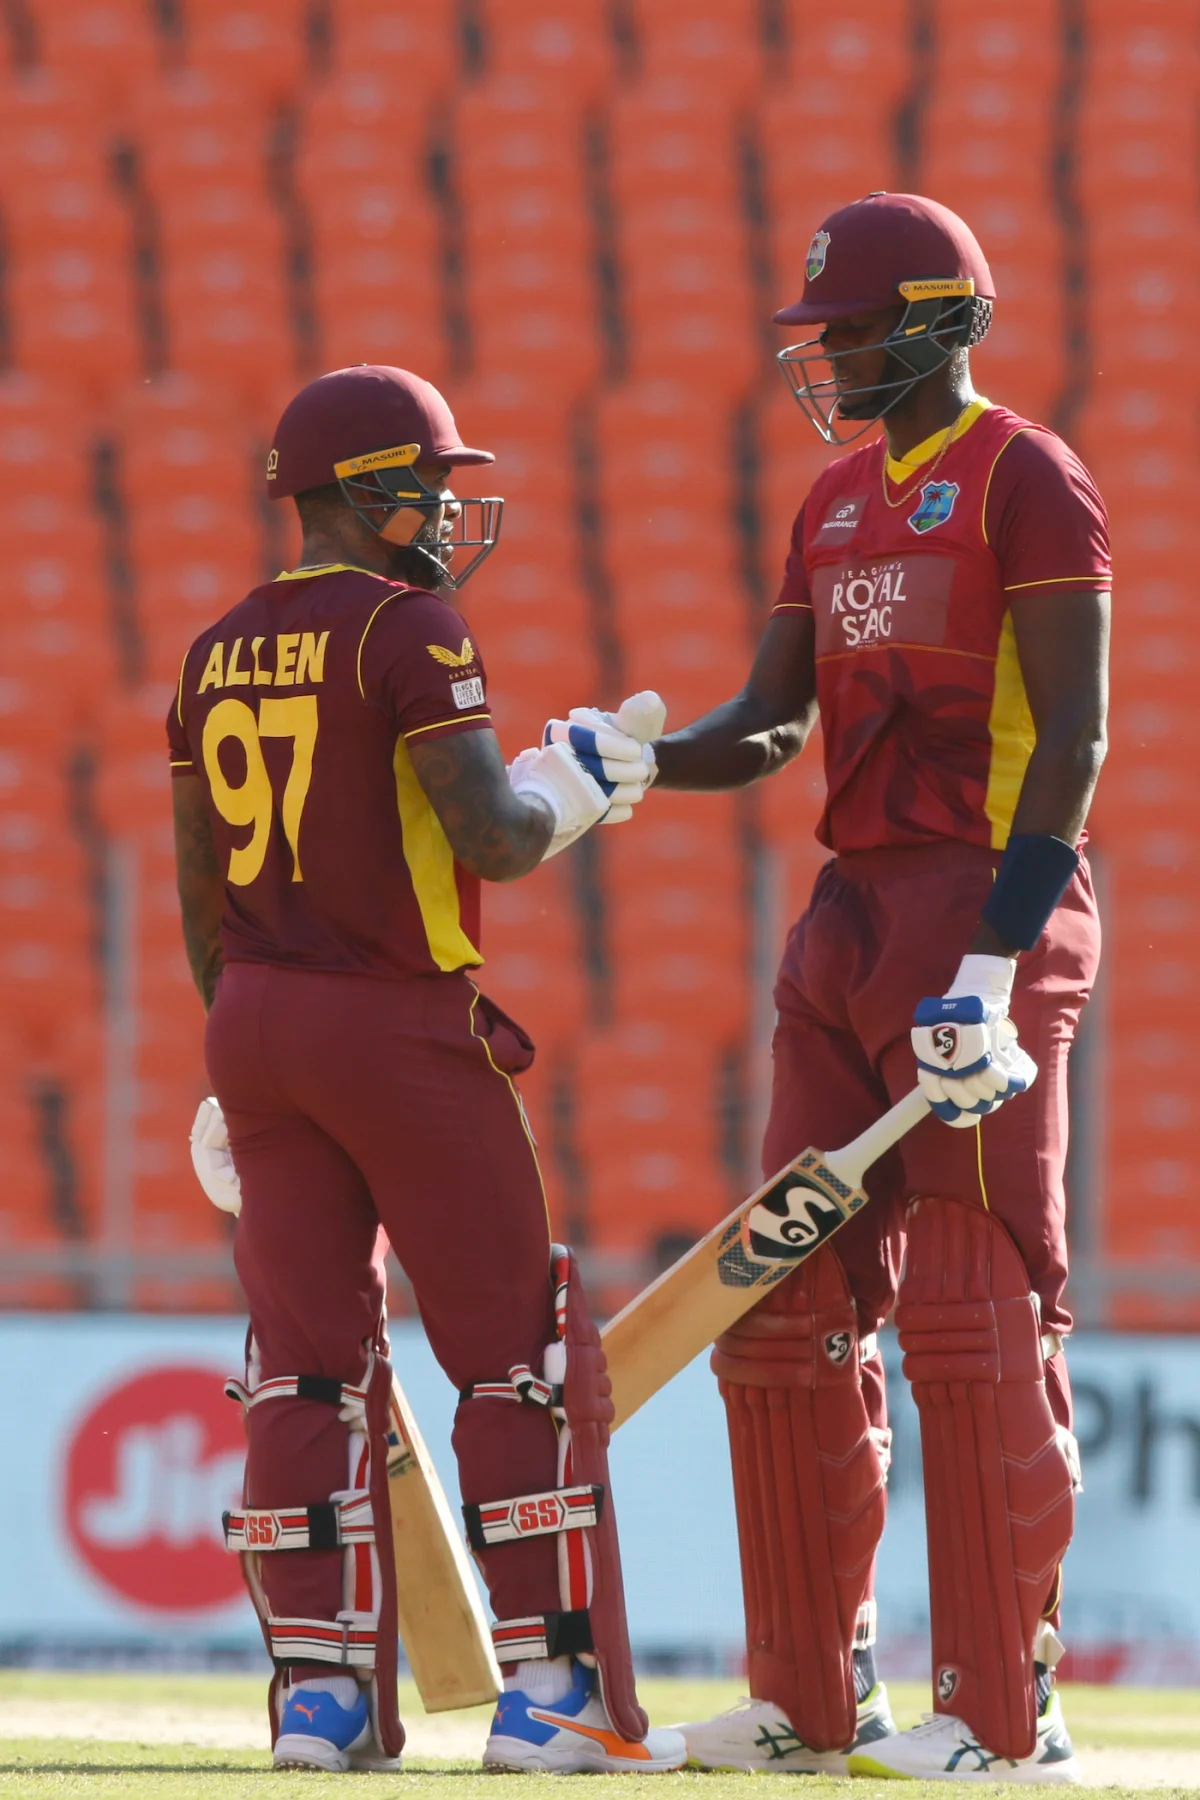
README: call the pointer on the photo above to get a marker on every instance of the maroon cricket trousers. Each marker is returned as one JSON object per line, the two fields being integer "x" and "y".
{"x": 355, "y": 1103}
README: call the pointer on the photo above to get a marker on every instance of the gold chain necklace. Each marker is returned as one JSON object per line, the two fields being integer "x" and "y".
{"x": 922, "y": 474}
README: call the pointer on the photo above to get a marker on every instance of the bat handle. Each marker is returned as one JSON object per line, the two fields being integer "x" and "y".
{"x": 852, "y": 1162}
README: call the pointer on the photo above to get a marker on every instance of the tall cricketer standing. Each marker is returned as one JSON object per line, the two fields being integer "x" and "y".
{"x": 944, "y": 613}
{"x": 339, "y": 794}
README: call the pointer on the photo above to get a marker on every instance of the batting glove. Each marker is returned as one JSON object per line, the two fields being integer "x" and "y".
{"x": 642, "y": 717}
{"x": 968, "y": 1059}
{"x": 561, "y": 777}
{"x": 616, "y": 762}
{"x": 212, "y": 1160}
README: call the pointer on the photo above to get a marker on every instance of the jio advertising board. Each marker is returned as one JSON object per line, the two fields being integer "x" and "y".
{"x": 121, "y": 1452}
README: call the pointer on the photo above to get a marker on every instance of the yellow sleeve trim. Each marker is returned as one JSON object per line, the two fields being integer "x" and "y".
{"x": 440, "y": 724}
{"x": 987, "y": 486}
{"x": 179, "y": 690}
{"x": 362, "y": 640}
{"x": 188, "y": 763}
{"x": 1103, "y": 582}
{"x": 791, "y": 606}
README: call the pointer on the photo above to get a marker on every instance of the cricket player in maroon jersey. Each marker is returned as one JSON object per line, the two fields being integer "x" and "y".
{"x": 339, "y": 795}
{"x": 944, "y": 613}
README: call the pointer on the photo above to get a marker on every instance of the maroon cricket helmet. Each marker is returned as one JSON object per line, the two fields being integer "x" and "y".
{"x": 862, "y": 254}
{"x": 353, "y": 412}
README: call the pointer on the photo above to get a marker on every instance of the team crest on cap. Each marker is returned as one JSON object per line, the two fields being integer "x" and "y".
{"x": 937, "y": 503}
{"x": 817, "y": 250}
{"x": 272, "y": 465}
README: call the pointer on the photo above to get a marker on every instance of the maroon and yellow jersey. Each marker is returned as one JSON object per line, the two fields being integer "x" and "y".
{"x": 296, "y": 710}
{"x": 908, "y": 570}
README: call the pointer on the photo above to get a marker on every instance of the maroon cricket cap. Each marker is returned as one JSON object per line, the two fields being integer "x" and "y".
{"x": 861, "y": 253}
{"x": 353, "y": 412}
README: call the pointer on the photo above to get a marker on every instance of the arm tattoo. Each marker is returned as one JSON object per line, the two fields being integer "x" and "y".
{"x": 492, "y": 831}
{"x": 201, "y": 884}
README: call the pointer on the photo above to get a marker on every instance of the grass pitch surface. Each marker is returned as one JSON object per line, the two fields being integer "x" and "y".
{"x": 184, "y": 1736}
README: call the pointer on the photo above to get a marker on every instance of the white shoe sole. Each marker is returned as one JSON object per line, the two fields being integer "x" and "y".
{"x": 833, "y": 1762}
{"x": 297, "y": 1752}
{"x": 1065, "y": 1773}
{"x": 515, "y": 1756}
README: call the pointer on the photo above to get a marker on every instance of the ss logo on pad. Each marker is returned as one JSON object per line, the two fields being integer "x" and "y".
{"x": 945, "y": 1041}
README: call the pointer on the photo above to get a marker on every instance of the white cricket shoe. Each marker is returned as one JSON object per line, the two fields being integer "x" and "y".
{"x": 756, "y": 1738}
{"x": 574, "y": 1736}
{"x": 944, "y": 1749}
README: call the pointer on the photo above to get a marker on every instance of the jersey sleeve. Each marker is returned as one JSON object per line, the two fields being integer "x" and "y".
{"x": 795, "y": 591}
{"x": 420, "y": 664}
{"x": 178, "y": 748}
{"x": 1044, "y": 518}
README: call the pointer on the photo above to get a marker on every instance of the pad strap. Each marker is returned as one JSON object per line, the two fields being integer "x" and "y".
{"x": 327, "y": 1525}
{"x": 349, "y": 1640}
{"x": 522, "y": 1385}
{"x": 542, "y": 1635}
{"x": 301, "y": 1387}
{"x": 533, "y": 1515}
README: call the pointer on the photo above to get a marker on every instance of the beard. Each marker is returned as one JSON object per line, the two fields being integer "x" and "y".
{"x": 873, "y": 402}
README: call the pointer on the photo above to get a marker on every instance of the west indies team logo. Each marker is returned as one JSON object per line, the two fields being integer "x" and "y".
{"x": 937, "y": 503}
{"x": 817, "y": 250}
{"x": 148, "y": 1473}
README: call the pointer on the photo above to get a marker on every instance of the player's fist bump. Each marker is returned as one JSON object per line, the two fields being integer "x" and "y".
{"x": 968, "y": 1059}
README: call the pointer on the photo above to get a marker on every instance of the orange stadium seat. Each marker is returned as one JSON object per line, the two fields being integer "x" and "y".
{"x": 109, "y": 44}
{"x": 56, "y": 213}
{"x": 667, "y": 142}
{"x": 371, "y": 308}
{"x": 51, "y": 123}
{"x": 72, "y": 309}
{"x": 1128, "y": 50}
{"x": 199, "y": 223}
{"x": 227, "y": 146}
{"x": 264, "y": 40}
{"x": 170, "y": 531}
{"x": 376, "y": 35}
{"x": 715, "y": 46}
{"x": 562, "y": 43}
{"x": 242, "y": 341}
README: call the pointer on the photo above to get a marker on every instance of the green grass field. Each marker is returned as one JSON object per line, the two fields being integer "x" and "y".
{"x": 53, "y": 1742}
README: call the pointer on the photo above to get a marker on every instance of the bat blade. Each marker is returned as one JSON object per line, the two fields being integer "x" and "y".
{"x": 441, "y": 1618}
{"x": 721, "y": 1277}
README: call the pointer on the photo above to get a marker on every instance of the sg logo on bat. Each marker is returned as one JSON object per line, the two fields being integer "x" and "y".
{"x": 803, "y": 1208}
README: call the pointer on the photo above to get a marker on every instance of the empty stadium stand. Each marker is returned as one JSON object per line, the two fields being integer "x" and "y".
{"x": 577, "y": 216}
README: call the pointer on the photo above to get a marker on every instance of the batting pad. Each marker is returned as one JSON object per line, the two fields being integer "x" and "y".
{"x": 808, "y": 1482}
{"x": 999, "y": 1506}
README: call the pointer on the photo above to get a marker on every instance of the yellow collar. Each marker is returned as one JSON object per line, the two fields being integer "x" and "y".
{"x": 327, "y": 569}
{"x": 899, "y": 468}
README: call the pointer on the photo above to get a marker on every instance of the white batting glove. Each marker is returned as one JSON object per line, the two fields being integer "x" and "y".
{"x": 642, "y": 717}
{"x": 557, "y": 776}
{"x": 212, "y": 1160}
{"x": 615, "y": 761}
{"x": 968, "y": 1059}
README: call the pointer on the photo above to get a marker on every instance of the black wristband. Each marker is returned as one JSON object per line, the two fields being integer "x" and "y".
{"x": 1034, "y": 874}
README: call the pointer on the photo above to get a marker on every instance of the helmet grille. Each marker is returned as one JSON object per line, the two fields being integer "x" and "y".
{"x": 981, "y": 321}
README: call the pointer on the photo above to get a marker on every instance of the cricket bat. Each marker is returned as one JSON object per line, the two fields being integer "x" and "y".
{"x": 722, "y": 1276}
{"x": 441, "y": 1618}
